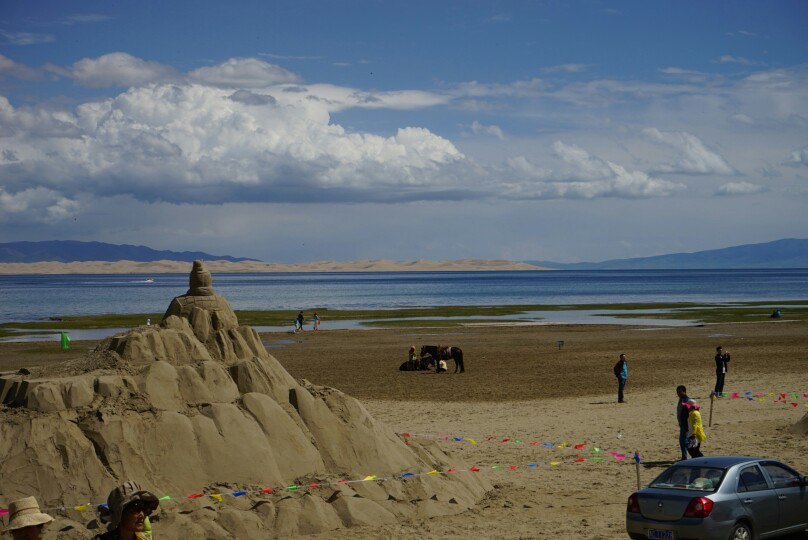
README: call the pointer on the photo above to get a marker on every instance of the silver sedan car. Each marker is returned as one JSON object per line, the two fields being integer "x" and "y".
{"x": 740, "y": 498}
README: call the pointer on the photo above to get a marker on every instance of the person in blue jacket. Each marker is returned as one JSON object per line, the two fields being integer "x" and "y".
{"x": 621, "y": 372}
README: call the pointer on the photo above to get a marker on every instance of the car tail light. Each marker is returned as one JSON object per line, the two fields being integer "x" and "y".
{"x": 633, "y": 506}
{"x": 699, "y": 507}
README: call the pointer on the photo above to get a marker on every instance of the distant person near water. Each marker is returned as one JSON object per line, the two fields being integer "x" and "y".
{"x": 721, "y": 361}
{"x": 621, "y": 372}
{"x": 682, "y": 418}
{"x": 299, "y": 321}
{"x": 26, "y": 520}
{"x": 315, "y": 321}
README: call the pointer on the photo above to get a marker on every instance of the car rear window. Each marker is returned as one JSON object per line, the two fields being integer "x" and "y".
{"x": 692, "y": 478}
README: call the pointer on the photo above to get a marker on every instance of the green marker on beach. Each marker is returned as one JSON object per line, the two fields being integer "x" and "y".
{"x": 65, "y": 341}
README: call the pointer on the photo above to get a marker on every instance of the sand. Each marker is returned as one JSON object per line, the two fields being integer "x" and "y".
{"x": 171, "y": 267}
{"x": 519, "y": 384}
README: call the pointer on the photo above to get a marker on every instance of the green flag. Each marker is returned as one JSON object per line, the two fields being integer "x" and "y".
{"x": 65, "y": 341}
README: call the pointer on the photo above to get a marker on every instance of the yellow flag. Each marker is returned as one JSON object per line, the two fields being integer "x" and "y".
{"x": 216, "y": 496}
{"x": 472, "y": 441}
{"x": 82, "y": 507}
{"x": 369, "y": 477}
{"x": 554, "y": 463}
{"x": 433, "y": 472}
{"x": 563, "y": 445}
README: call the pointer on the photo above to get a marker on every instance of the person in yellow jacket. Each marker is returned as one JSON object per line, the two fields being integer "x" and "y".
{"x": 695, "y": 431}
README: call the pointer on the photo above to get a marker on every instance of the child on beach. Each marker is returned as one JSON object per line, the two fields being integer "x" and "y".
{"x": 695, "y": 432}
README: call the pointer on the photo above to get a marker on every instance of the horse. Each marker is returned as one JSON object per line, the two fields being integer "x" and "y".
{"x": 445, "y": 352}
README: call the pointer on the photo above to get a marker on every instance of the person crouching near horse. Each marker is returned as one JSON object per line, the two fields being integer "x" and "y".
{"x": 414, "y": 362}
{"x": 441, "y": 367}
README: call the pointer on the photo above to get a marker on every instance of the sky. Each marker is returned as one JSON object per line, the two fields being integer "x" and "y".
{"x": 294, "y": 131}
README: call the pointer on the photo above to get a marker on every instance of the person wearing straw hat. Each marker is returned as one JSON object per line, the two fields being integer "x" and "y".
{"x": 26, "y": 520}
{"x": 129, "y": 507}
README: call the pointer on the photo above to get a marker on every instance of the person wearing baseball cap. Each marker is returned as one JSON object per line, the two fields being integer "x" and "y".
{"x": 129, "y": 507}
{"x": 26, "y": 520}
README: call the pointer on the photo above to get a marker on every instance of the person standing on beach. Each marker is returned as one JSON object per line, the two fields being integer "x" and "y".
{"x": 299, "y": 321}
{"x": 621, "y": 372}
{"x": 721, "y": 361}
{"x": 682, "y": 413}
{"x": 315, "y": 321}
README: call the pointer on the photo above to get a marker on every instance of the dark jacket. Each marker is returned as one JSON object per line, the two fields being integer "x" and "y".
{"x": 682, "y": 412}
{"x": 721, "y": 363}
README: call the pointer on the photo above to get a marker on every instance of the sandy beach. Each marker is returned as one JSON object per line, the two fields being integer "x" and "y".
{"x": 178, "y": 267}
{"x": 520, "y": 385}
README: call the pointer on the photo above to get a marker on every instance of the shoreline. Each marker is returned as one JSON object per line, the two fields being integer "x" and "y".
{"x": 662, "y": 315}
{"x": 252, "y": 267}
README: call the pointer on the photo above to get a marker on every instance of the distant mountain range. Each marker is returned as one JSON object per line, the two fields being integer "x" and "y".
{"x": 73, "y": 251}
{"x": 786, "y": 253}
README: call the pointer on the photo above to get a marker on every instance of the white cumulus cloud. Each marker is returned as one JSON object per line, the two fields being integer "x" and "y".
{"x": 693, "y": 156}
{"x": 582, "y": 175}
{"x": 480, "y": 129}
{"x": 118, "y": 69}
{"x": 243, "y": 73}
{"x": 799, "y": 157}
{"x": 740, "y": 188}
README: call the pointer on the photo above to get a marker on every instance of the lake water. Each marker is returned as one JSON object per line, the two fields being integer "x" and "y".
{"x": 25, "y": 298}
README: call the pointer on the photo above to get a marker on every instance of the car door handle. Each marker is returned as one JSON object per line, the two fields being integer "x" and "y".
{"x": 748, "y": 501}
{"x": 782, "y": 497}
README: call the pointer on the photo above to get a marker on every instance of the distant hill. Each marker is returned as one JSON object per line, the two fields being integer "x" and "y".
{"x": 73, "y": 251}
{"x": 786, "y": 253}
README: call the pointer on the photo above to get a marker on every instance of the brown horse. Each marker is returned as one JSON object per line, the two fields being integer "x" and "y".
{"x": 445, "y": 352}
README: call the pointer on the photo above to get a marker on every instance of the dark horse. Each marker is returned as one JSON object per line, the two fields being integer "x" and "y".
{"x": 445, "y": 352}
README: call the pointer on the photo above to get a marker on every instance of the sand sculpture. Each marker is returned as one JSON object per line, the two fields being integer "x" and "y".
{"x": 801, "y": 427}
{"x": 196, "y": 403}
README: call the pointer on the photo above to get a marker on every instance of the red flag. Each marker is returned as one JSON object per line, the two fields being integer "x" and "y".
{"x": 579, "y": 446}
{"x": 474, "y": 469}
{"x": 267, "y": 490}
{"x": 580, "y": 459}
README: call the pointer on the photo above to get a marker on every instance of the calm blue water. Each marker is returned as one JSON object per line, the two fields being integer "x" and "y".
{"x": 25, "y": 298}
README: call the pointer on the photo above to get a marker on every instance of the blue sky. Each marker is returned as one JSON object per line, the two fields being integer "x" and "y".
{"x": 299, "y": 131}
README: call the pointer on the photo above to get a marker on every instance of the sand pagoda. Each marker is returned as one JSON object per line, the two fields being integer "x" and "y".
{"x": 196, "y": 405}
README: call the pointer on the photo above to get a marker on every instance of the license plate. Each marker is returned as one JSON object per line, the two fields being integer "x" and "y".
{"x": 661, "y": 535}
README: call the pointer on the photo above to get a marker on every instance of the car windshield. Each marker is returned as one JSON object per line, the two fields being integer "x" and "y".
{"x": 692, "y": 478}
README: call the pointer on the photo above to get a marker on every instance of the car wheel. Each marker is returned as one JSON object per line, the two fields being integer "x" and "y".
{"x": 741, "y": 531}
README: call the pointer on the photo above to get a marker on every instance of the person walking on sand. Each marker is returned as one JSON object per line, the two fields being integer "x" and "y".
{"x": 26, "y": 520}
{"x": 299, "y": 321}
{"x": 315, "y": 321}
{"x": 721, "y": 361}
{"x": 621, "y": 372}
{"x": 681, "y": 418}
{"x": 128, "y": 510}
{"x": 695, "y": 429}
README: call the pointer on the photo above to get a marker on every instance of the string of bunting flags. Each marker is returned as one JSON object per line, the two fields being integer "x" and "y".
{"x": 219, "y": 497}
{"x": 512, "y": 440}
{"x": 786, "y": 398}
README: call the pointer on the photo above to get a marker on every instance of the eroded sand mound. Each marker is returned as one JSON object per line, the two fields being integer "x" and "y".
{"x": 197, "y": 403}
{"x": 801, "y": 427}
